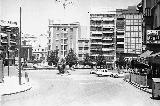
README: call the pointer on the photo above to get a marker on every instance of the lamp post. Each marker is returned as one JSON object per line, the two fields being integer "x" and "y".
{"x": 20, "y": 48}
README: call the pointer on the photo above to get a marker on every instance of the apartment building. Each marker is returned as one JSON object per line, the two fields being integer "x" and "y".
{"x": 133, "y": 30}
{"x": 102, "y": 36}
{"x": 120, "y": 32}
{"x": 83, "y": 48}
{"x": 63, "y": 36}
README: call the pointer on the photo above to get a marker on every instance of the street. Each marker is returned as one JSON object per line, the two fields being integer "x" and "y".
{"x": 78, "y": 89}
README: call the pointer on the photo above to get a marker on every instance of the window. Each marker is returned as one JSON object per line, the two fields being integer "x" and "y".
{"x": 79, "y": 55}
{"x": 42, "y": 49}
{"x": 127, "y": 22}
{"x": 135, "y": 28}
{"x": 71, "y": 29}
{"x": 57, "y": 28}
{"x": 132, "y": 22}
{"x": 85, "y": 48}
{"x": 64, "y": 29}
{"x": 140, "y": 28}
{"x": 132, "y": 28}
{"x": 61, "y": 47}
{"x": 65, "y": 47}
{"x": 127, "y": 28}
{"x": 80, "y": 48}
{"x": 56, "y": 47}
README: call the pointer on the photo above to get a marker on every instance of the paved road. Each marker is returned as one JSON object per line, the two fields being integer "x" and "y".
{"x": 78, "y": 89}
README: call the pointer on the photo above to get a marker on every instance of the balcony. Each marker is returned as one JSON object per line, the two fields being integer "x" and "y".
{"x": 108, "y": 31}
{"x": 96, "y": 43}
{"x": 107, "y": 19}
{"x": 96, "y": 32}
{"x": 4, "y": 40}
{"x": 96, "y": 25}
{"x": 96, "y": 37}
{"x": 120, "y": 42}
{"x": 108, "y": 49}
{"x": 108, "y": 26}
{"x": 96, "y": 18}
{"x": 107, "y": 43}
{"x": 107, "y": 38}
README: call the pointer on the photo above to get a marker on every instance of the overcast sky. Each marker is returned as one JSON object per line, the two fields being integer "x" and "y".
{"x": 35, "y": 13}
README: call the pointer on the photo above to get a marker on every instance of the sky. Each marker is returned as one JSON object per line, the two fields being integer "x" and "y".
{"x": 36, "y": 13}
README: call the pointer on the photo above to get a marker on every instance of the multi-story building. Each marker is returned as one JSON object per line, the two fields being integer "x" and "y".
{"x": 63, "y": 37}
{"x": 27, "y": 42}
{"x": 83, "y": 48}
{"x": 120, "y": 32}
{"x": 9, "y": 32}
{"x": 150, "y": 10}
{"x": 40, "y": 48}
{"x": 102, "y": 36}
{"x": 133, "y": 30}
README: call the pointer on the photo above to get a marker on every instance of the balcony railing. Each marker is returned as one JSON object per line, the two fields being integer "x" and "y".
{"x": 108, "y": 49}
{"x": 108, "y": 31}
{"x": 107, "y": 38}
{"x": 99, "y": 43}
{"x": 96, "y": 37}
{"x": 96, "y": 32}
{"x": 147, "y": 12}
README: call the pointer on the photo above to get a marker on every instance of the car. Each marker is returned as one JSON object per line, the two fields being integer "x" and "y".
{"x": 118, "y": 75}
{"x": 93, "y": 71}
{"x": 105, "y": 72}
{"x": 99, "y": 72}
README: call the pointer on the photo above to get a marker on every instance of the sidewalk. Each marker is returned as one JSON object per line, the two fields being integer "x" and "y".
{"x": 11, "y": 86}
{"x": 145, "y": 89}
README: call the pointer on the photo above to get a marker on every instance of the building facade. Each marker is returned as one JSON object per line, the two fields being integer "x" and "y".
{"x": 120, "y": 32}
{"x": 102, "y": 36}
{"x": 9, "y": 32}
{"x": 133, "y": 31}
{"x": 83, "y": 48}
{"x": 150, "y": 10}
{"x": 63, "y": 37}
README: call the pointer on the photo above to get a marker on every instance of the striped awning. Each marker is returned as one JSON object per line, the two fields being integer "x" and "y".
{"x": 146, "y": 54}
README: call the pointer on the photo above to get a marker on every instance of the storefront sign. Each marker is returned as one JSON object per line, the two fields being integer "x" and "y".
{"x": 153, "y": 36}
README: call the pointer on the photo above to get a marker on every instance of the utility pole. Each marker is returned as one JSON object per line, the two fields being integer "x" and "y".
{"x": 20, "y": 49}
{"x": 8, "y": 47}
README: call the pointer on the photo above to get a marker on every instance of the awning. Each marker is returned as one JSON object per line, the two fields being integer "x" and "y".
{"x": 156, "y": 54}
{"x": 146, "y": 54}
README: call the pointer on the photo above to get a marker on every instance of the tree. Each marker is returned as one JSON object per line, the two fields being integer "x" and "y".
{"x": 53, "y": 57}
{"x": 121, "y": 62}
{"x": 71, "y": 58}
{"x": 86, "y": 60}
{"x": 101, "y": 59}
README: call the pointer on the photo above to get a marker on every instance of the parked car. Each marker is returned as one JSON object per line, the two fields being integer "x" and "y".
{"x": 93, "y": 71}
{"x": 118, "y": 75}
{"x": 99, "y": 72}
{"x": 105, "y": 72}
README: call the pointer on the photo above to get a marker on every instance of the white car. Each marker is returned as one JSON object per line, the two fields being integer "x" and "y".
{"x": 118, "y": 75}
{"x": 99, "y": 72}
{"x": 93, "y": 71}
{"x": 105, "y": 72}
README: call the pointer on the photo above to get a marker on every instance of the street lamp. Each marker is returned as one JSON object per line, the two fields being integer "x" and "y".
{"x": 19, "y": 73}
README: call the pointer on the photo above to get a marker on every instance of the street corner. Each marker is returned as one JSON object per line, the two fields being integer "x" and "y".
{"x": 11, "y": 86}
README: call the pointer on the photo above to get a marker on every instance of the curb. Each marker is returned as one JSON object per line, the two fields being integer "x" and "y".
{"x": 24, "y": 90}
